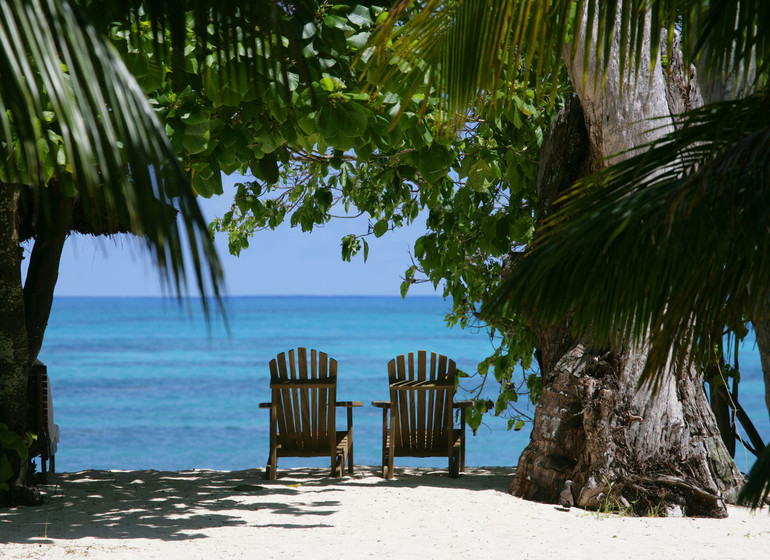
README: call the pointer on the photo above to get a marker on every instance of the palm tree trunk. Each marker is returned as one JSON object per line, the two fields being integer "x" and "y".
{"x": 14, "y": 350}
{"x": 43, "y": 269}
{"x": 621, "y": 445}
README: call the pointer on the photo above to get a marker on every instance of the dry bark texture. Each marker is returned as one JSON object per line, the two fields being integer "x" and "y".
{"x": 14, "y": 352}
{"x": 620, "y": 445}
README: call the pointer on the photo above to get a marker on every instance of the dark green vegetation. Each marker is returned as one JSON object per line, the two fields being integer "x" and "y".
{"x": 698, "y": 192}
{"x": 315, "y": 143}
{"x": 285, "y": 107}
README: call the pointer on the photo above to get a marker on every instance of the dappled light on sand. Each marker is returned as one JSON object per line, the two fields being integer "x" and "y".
{"x": 217, "y": 514}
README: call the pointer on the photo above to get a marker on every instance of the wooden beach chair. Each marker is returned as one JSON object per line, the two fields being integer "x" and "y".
{"x": 303, "y": 411}
{"x": 421, "y": 412}
{"x": 40, "y": 420}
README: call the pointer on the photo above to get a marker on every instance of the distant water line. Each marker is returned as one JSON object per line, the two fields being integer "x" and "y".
{"x": 141, "y": 383}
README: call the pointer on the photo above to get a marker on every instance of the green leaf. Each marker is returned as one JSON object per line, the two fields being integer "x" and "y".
{"x": 206, "y": 180}
{"x": 328, "y": 84}
{"x": 359, "y": 40}
{"x": 405, "y": 285}
{"x": 363, "y": 151}
{"x": 350, "y": 244}
{"x": 309, "y": 30}
{"x": 336, "y": 22}
{"x": 328, "y": 123}
{"x": 481, "y": 176}
{"x": 380, "y": 228}
{"x": 6, "y": 471}
{"x": 196, "y": 137}
{"x": 267, "y": 169}
{"x": 360, "y": 16}
{"x": 434, "y": 162}
{"x": 353, "y": 119}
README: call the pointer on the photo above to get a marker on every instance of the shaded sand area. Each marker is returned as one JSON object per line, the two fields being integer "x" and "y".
{"x": 422, "y": 514}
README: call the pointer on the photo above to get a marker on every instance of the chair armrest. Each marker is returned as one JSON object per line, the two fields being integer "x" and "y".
{"x": 381, "y": 404}
{"x": 265, "y": 404}
{"x": 462, "y": 404}
{"x": 349, "y": 404}
{"x": 420, "y": 384}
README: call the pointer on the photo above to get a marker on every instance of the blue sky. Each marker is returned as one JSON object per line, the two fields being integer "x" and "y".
{"x": 282, "y": 262}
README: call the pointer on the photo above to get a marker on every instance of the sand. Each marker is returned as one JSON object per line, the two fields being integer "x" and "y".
{"x": 422, "y": 513}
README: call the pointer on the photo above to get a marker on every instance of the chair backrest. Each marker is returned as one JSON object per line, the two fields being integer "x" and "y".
{"x": 304, "y": 392}
{"x": 38, "y": 406}
{"x": 421, "y": 394}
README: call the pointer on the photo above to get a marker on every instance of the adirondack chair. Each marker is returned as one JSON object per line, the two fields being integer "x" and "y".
{"x": 303, "y": 411}
{"x": 421, "y": 410}
{"x": 40, "y": 419}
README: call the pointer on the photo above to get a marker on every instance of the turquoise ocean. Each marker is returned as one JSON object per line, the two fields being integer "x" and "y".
{"x": 144, "y": 383}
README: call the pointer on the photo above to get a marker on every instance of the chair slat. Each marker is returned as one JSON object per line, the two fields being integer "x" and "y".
{"x": 429, "y": 425}
{"x": 283, "y": 399}
{"x": 412, "y": 376}
{"x": 421, "y": 404}
{"x": 321, "y": 414}
{"x": 448, "y": 409}
{"x": 330, "y": 396}
{"x": 403, "y": 405}
{"x": 420, "y": 396}
{"x": 304, "y": 399}
{"x": 299, "y": 442}
{"x": 303, "y": 409}
{"x": 316, "y": 411}
{"x": 303, "y": 383}
{"x": 417, "y": 385}
{"x": 439, "y": 419}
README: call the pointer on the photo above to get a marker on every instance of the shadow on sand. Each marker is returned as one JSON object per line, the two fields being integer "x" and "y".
{"x": 181, "y": 505}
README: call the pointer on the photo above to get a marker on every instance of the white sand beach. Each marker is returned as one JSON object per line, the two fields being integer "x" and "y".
{"x": 422, "y": 513}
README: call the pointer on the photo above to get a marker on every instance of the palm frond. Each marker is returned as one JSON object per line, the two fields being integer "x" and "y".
{"x": 733, "y": 39}
{"x": 757, "y": 488}
{"x": 460, "y": 47}
{"x": 70, "y": 109}
{"x": 260, "y": 35}
{"x": 663, "y": 245}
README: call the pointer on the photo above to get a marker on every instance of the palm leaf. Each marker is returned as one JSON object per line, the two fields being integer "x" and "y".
{"x": 462, "y": 47}
{"x": 61, "y": 79}
{"x": 757, "y": 488}
{"x": 666, "y": 244}
{"x": 261, "y": 35}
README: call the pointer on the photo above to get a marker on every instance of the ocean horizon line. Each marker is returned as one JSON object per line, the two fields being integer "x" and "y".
{"x": 254, "y": 296}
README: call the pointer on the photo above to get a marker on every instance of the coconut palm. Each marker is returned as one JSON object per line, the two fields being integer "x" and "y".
{"x": 82, "y": 150}
{"x": 666, "y": 247}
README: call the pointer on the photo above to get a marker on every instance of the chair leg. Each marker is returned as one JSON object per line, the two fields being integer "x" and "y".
{"x": 272, "y": 465}
{"x": 43, "y": 471}
{"x": 350, "y": 441}
{"x": 385, "y": 443}
{"x": 350, "y": 455}
{"x": 454, "y": 463}
{"x": 462, "y": 440}
{"x": 384, "y": 463}
{"x": 338, "y": 462}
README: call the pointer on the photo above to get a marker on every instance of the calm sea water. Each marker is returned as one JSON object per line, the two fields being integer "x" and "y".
{"x": 140, "y": 383}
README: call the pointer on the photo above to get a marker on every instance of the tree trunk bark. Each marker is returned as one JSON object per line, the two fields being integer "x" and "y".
{"x": 14, "y": 349}
{"x": 762, "y": 333}
{"x": 725, "y": 89}
{"x": 622, "y": 446}
{"x": 43, "y": 270}
{"x": 23, "y": 318}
